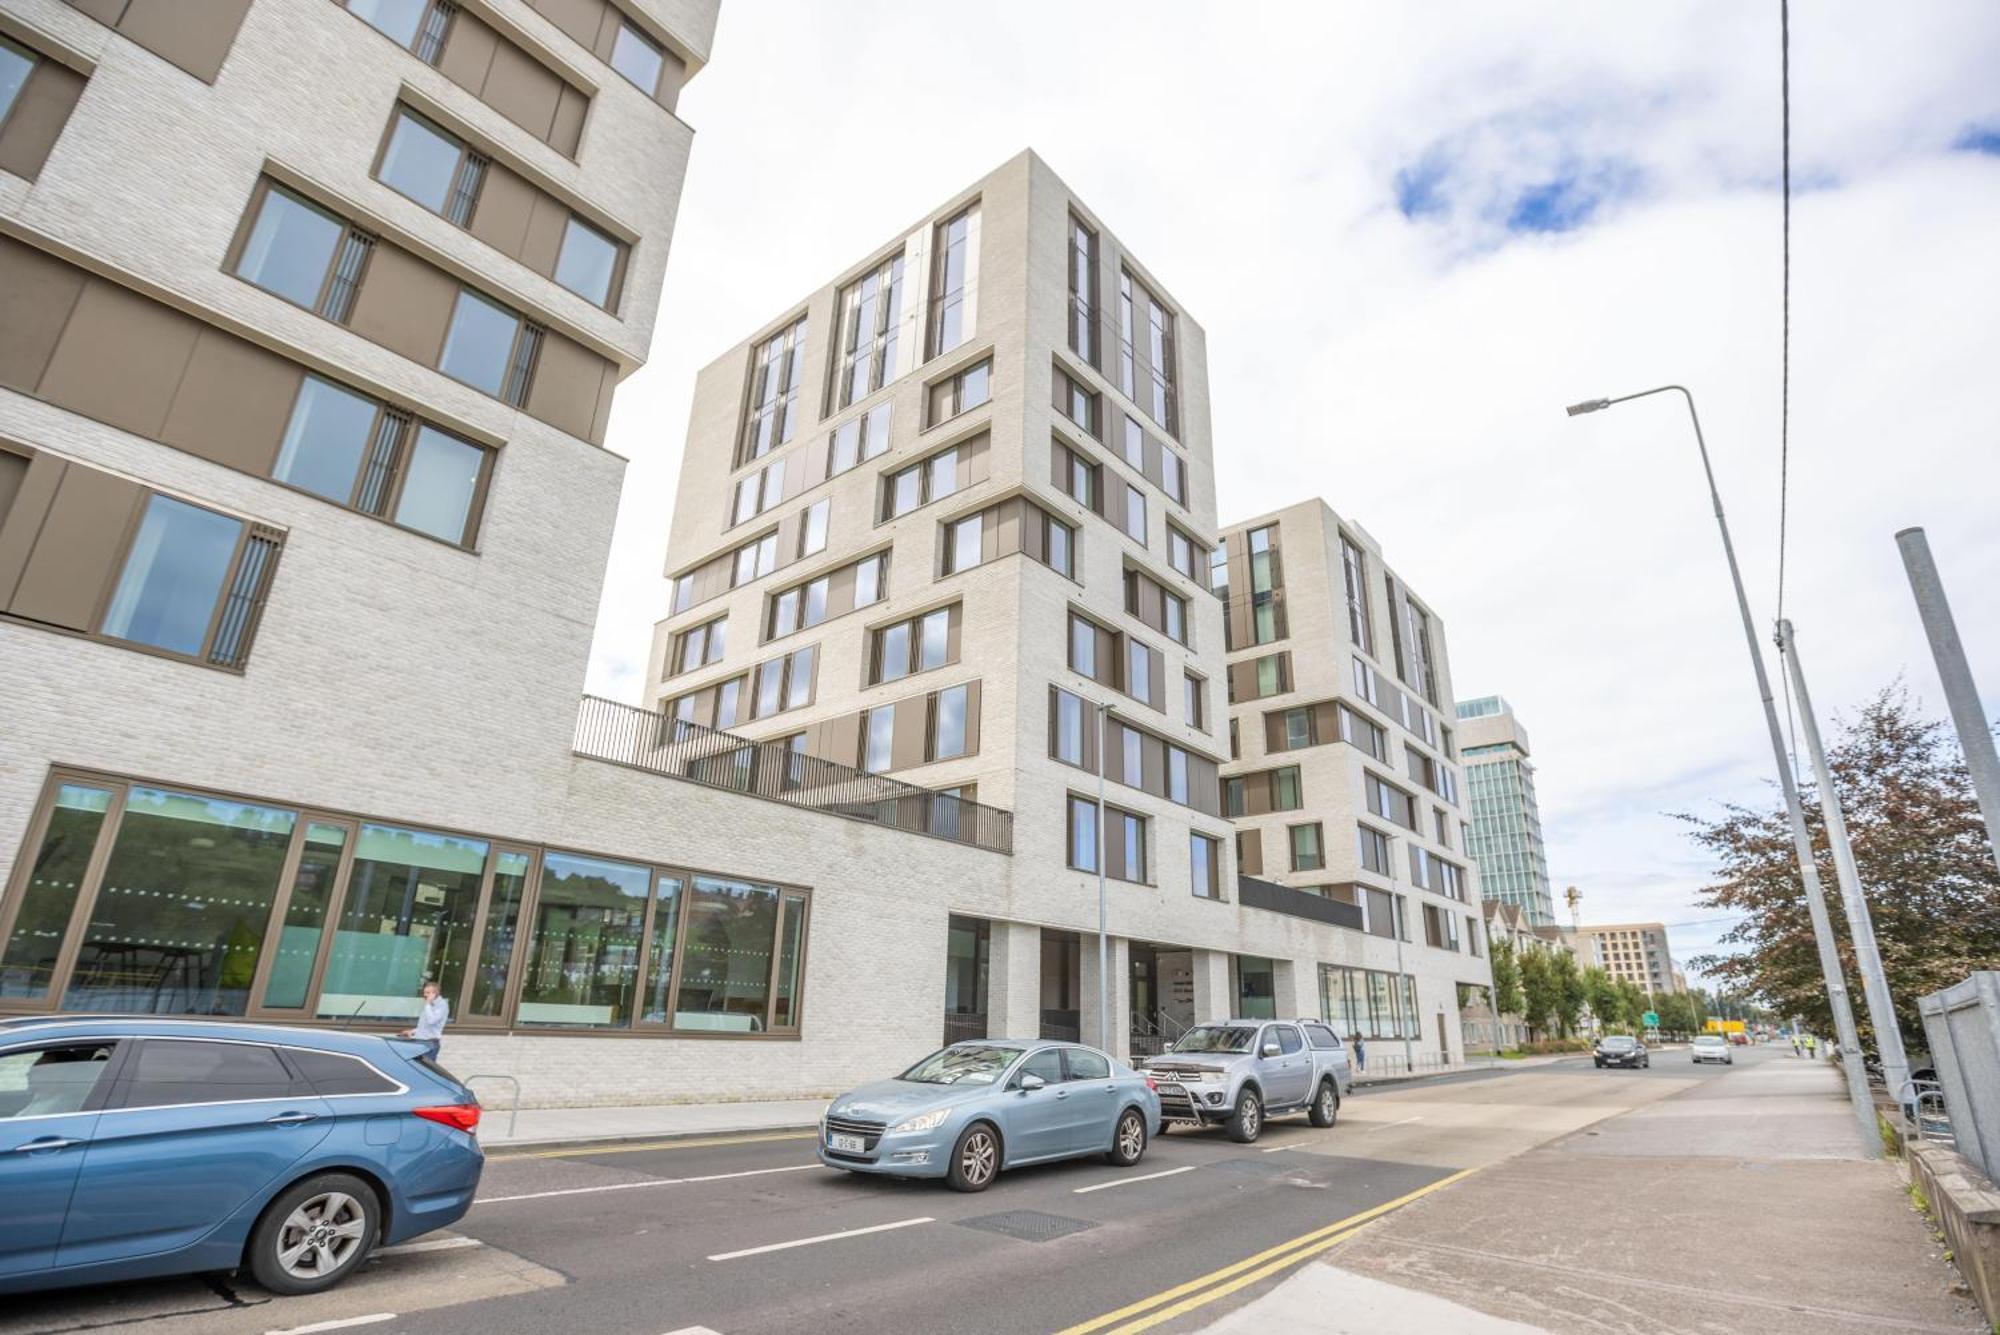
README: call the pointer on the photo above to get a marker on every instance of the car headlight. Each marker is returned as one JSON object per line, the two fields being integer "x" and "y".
{"x": 929, "y": 1121}
{"x": 1208, "y": 1077}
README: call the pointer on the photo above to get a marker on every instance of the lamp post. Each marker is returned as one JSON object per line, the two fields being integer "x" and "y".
{"x": 1829, "y": 958}
{"x": 1103, "y": 943}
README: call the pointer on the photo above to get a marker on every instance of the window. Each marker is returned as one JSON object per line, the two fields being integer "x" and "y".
{"x": 1365, "y": 682}
{"x": 1218, "y": 571}
{"x": 57, "y": 868}
{"x": 1083, "y": 645}
{"x": 812, "y": 532}
{"x": 304, "y": 254}
{"x": 332, "y": 1074}
{"x": 587, "y": 264}
{"x": 1194, "y": 701}
{"x": 774, "y": 391}
{"x": 951, "y": 280}
{"x": 1125, "y": 845}
{"x": 167, "y": 1073}
{"x": 1185, "y": 555}
{"x": 398, "y": 20}
{"x": 1135, "y": 515}
{"x": 412, "y": 899}
{"x": 963, "y": 540}
{"x": 1205, "y": 866}
{"x": 1389, "y": 802}
{"x": 1173, "y": 477}
{"x": 948, "y": 730}
{"x": 637, "y": 57}
{"x": 754, "y": 560}
{"x": 1082, "y": 290}
{"x": 437, "y": 490}
{"x": 916, "y": 645}
{"x": 783, "y": 683}
{"x": 1363, "y": 733}
{"x": 1082, "y": 834}
{"x": 1173, "y": 613}
{"x": 432, "y": 167}
{"x": 698, "y": 646}
{"x": 1083, "y": 1064}
{"x": 1141, "y": 668}
{"x": 1134, "y": 444}
{"x": 1077, "y": 477}
{"x": 192, "y": 583}
{"x": 1307, "y": 855}
{"x": 1354, "y": 565}
{"x": 1374, "y": 850}
{"x": 757, "y": 492}
{"x": 961, "y": 393}
{"x": 870, "y": 322}
{"x": 871, "y": 575}
{"x": 1125, "y": 361}
{"x": 1286, "y": 792}
{"x": 1067, "y": 738}
{"x": 583, "y": 946}
{"x": 1078, "y": 404}
{"x": 490, "y": 348}
{"x": 922, "y": 482}
{"x": 878, "y": 731}
{"x": 1273, "y": 675}
{"x": 1164, "y": 402}
{"x": 1177, "y": 775}
{"x": 16, "y": 64}
{"x": 354, "y": 451}
{"x": 1299, "y": 730}
{"x": 1059, "y": 541}
{"x": 1423, "y": 669}
{"x": 858, "y": 439}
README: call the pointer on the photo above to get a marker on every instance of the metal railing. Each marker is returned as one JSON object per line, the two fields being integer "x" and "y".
{"x": 645, "y": 739}
{"x": 962, "y": 1025}
{"x": 1962, "y": 1024}
{"x": 514, "y": 1110}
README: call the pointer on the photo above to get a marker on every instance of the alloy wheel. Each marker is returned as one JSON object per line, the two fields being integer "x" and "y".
{"x": 321, "y": 1236}
{"x": 1253, "y": 1114}
{"x": 977, "y": 1159}
{"x": 1325, "y": 1102}
{"x": 1131, "y": 1136}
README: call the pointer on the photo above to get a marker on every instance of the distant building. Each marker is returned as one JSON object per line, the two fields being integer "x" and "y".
{"x": 1506, "y": 822}
{"x": 1635, "y": 951}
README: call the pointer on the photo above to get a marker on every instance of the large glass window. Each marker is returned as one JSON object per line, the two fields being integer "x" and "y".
{"x": 638, "y": 58}
{"x": 411, "y": 901}
{"x": 55, "y": 877}
{"x": 496, "y": 943}
{"x": 291, "y": 247}
{"x": 948, "y": 738}
{"x": 774, "y": 392}
{"x": 479, "y": 342}
{"x": 583, "y": 955}
{"x": 305, "y": 916}
{"x": 1082, "y": 834}
{"x": 173, "y": 576}
{"x": 879, "y": 742}
{"x": 443, "y": 478}
{"x": 870, "y": 325}
{"x": 16, "y": 63}
{"x": 421, "y": 161}
{"x": 178, "y": 923}
{"x": 396, "y": 19}
{"x": 725, "y": 963}
{"x": 791, "y": 964}
{"x": 587, "y": 262}
{"x": 325, "y": 439}
{"x": 660, "y": 952}
{"x": 948, "y": 283}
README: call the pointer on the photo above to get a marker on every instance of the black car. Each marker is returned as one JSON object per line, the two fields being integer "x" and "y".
{"x": 1621, "y": 1050}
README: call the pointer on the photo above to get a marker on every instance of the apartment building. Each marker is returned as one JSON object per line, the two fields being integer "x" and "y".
{"x": 1343, "y": 774}
{"x": 1636, "y": 952}
{"x": 1506, "y": 838}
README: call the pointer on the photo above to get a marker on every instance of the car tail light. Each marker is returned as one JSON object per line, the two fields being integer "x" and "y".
{"x": 458, "y": 1116}
{"x": 1152, "y": 1084}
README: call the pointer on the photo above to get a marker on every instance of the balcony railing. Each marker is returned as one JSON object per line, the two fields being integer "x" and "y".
{"x": 627, "y": 735}
{"x": 1272, "y": 897}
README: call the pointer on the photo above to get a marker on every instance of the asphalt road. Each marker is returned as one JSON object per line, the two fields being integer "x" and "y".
{"x": 748, "y": 1233}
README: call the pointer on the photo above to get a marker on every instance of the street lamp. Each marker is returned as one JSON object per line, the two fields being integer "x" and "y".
{"x": 1829, "y": 958}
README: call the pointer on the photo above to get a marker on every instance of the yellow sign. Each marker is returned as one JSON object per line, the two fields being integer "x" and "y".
{"x": 1716, "y": 1026}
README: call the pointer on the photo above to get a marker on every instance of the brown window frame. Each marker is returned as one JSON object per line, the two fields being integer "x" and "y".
{"x": 346, "y": 268}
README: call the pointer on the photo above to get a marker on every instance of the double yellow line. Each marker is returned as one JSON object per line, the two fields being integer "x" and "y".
{"x": 1185, "y": 1298}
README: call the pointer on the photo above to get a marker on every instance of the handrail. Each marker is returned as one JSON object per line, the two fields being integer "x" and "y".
{"x": 513, "y": 1113}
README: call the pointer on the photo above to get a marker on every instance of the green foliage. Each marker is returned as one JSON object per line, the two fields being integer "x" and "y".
{"x": 1606, "y": 1002}
{"x": 1541, "y": 992}
{"x": 1633, "y": 998}
{"x": 1569, "y": 991}
{"x": 1506, "y": 978}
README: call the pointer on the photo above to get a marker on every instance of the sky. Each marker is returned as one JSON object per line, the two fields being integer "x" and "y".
{"x": 1412, "y": 235}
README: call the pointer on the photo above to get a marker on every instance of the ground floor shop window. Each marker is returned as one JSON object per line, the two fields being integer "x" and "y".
{"x": 132, "y": 897}
{"x": 1256, "y": 988}
{"x": 1367, "y": 1003}
{"x": 968, "y": 955}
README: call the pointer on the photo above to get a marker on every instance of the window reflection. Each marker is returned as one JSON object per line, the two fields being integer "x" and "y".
{"x": 726, "y": 959}
{"x": 54, "y": 881}
{"x": 411, "y": 901}
{"x": 305, "y": 916}
{"x": 496, "y": 946}
{"x": 583, "y": 955}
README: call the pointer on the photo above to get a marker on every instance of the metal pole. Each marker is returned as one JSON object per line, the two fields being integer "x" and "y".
{"x": 1975, "y": 735}
{"x": 1401, "y": 914}
{"x": 1829, "y": 955}
{"x": 1103, "y": 945}
{"x": 1860, "y": 925}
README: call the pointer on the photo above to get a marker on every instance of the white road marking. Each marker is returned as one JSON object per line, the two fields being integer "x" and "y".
{"x": 633, "y": 1186}
{"x": 1386, "y": 1125}
{"x": 824, "y": 1237}
{"x": 694, "y": 1330}
{"x": 1274, "y": 1149}
{"x": 431, "y": 1245}
{"x": 1128, "y": 1181}
{"x": 341, "y": 1324}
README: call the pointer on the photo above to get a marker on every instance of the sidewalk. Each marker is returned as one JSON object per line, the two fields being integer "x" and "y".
{"x": 1742, "y": 1204}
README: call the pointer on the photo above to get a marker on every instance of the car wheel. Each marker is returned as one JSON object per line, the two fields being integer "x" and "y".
{"x": 1600, "y": 1066}
{"x": 1326, "y": 1105}
{"x": 315, "y": 1234}
{"x": 975, "y": 1159}
{"x": 1247, "y": 1122}
{"x": 1128, "y": 1142}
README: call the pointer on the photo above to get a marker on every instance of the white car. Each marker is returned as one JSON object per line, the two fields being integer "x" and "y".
{"x": 1712, "y": 1048}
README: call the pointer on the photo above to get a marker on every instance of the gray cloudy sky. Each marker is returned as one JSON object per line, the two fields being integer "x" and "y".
{"x": 1413, "y": 233}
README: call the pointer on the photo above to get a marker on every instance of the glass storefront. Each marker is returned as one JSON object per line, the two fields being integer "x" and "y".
{"x": 131, "y": 897}
{"x": 1368, "y": 1003}
{"x": 1256, "y": 988}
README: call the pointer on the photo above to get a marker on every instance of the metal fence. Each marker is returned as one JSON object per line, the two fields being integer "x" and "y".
{"x": 645, "y": 739}
{"x": 1962, "y": 1024}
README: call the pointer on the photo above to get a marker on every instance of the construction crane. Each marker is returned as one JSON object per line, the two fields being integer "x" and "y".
{"x": 1574, "y": 898}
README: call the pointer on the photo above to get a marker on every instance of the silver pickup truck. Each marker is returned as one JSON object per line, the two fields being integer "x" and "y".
{"x": 1240, "y": 1073}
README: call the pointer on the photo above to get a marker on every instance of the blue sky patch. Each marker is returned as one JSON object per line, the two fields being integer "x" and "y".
{"x": 1979, "y": 139}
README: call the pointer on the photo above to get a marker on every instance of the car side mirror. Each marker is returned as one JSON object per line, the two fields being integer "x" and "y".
{"x": 1271, "y": 1048}
{"x": 1031, "y": 1083}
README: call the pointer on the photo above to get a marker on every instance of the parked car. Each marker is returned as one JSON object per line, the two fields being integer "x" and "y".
{"x": 1242, "y": 1073}
{"x": 1739, "y": 1040}
{"x": 968, "y": 1111}
{"x": 133, "y": 1146}
{"x": 1621, "y": 1050}
{"x": 1711, "y": 1048}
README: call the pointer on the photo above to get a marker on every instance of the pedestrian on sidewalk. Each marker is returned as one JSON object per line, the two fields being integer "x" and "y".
{"x": 1811, "y": 1043}
{"x": 1360, "y": 1053}
{"x": 432, "y": 1019}
{"x": 1795, "y": 1045}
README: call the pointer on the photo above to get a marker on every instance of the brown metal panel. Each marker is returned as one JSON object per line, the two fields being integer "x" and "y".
{"x": 600, "y": 421}
{"x": 404, "y": 304}
{"x": 107, "y": 12}
{"x": 1158, "y": 693}
{"x": 580, "y": 20}
{"x": 233, "y": 403}
{"x": 506, "y": 202}
{"x": 1274, "y": 732}
{"x": 21, "y": 522}
{"x": 120, "y": 359}
{"x": 564, "y": 390}
{"x": 1326, "y": 721}
{"x": 1250, "y": 852}
{"x": 76, "y": 557}
{"x": 541, "y": 242}
{"x": 817, "y": 457}
{"x": 974, "y": 461}
{"x": 840, "y": 592}
{"x": 1014, "y": 522}
{"x": 1204, "y": 786}
{"x": 1243, "y": 680}
{"x": 1257, "y": 794}
{"x": 971, "y": 718}
{"x": 954, "y": 633}
{"x": 566, "y": 131}
{"x": 840, "y": 740}
{"x": 907, "y": 747}
{"x": 522, "y": 89}
{"x": 468, "y": 53}
{"x": 194, "y": 34}
{"x": 37, "y": 293}
{"x": 13, "y": 472}
{"x": 673, "y": 77}
{"x": 1152, "y": 765}
{"x": 41, "y": 109}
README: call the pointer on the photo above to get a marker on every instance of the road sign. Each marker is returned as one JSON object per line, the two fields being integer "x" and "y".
{"x": 1651, "y": 1019}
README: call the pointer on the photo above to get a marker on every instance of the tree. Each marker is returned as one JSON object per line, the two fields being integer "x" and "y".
{"x": 1924, "y": 863}
{"x": 1540, "y": 992}
{"x": 1569, "y": 991}
{"x": 1506, "y": 978}
{"x": 1634, "y": 1002}
{"x": 1606, "y": 1002}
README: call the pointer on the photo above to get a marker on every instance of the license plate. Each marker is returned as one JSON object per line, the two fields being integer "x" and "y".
{"x": 1173, "y": 1087}
{"x": 846, "y": 1144}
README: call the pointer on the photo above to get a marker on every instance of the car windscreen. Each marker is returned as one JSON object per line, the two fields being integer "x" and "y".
{"x": 963, "y": 1064}
{"x": 1618, "y": 1043}
{"x": 1217, "y": 1038}
{"x": 1709, "y": 1041}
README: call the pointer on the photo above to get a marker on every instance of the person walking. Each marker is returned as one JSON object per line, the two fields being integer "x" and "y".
{"x": 1811, "y": 1043}
{"x": 432, "y": 1019}
{"x": 1360, "y": 1054}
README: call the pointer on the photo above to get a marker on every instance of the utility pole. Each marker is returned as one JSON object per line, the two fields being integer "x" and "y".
{"x": 1829, "y": 955}
{"x": 1860, "y": 925}
{"x": 1103, "y": 943}
{"x": 1975, "y": 735}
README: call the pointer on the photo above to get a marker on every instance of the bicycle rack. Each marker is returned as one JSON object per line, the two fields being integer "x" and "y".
{"x": 513, "y": 1112}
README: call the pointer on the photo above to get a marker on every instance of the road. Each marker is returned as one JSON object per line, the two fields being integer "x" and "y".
{"x": 748, "y": 1233}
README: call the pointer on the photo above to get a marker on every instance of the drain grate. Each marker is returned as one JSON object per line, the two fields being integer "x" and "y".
{"x": 1028, "y": 1225}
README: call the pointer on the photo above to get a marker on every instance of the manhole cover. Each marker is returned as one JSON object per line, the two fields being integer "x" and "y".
{"x": 1028, "y": 1225}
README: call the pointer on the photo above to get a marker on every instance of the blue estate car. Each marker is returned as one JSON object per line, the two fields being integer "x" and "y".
{"x": 132, "y": 1146}
{"x": 967, "y": 1111}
